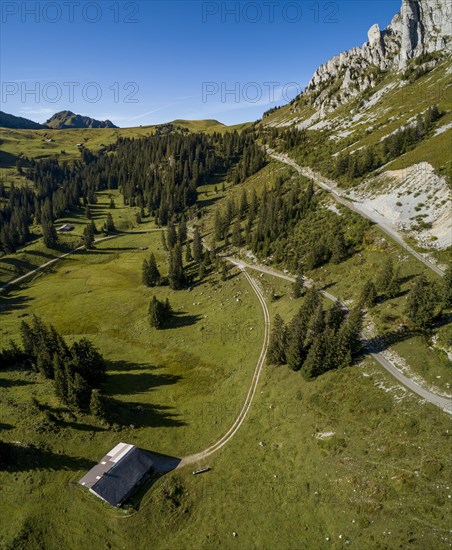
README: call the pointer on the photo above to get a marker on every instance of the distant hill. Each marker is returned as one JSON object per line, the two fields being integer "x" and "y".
{"x": 18, "y": 123}
{"x": 68, "y": 119}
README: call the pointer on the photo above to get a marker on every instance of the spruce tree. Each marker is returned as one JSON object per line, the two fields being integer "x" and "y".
{"x": 188, "y": 254}
{"x": 164, "y": 243}
{"x": 171, "y": 235}
{"x": 176, "y": 275}
{"x": 88, "y": 362}
{"x": 159, "y": 312}
{"x": 368, "y": 296}
{"x": 447, "y": 288}
{"x": 151, "y": 274}
{"x": 88, "y": 236}
{"x": 182, "y": 230}
{"x": 49, "y": 233}
{"x": 197, "y": 245}
{"x": 314, "y": 363}
{"x": 298, "y": 287}
{"x": 276, "y": 354}
{"x": 316, "y": 324}
{"x": 80, "y": 393}
{"x": 339, "y": 249}
{"x": 296, "y": 334}
{"x": 97, "y": 406}
{"x": 421, "y": 303}
{"x": 237, "y": 234}
{"x": 334, "y": 317}
{"x": 110, "y": 224}
{"x": 60, "y": 381}
{"x": 385, "y": 276}
{"x": 393, "y": 288}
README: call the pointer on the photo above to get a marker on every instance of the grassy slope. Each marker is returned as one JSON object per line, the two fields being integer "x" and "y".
{"x": 347, "y": 279}
{"x": 35, "y": 253}
{"x": 390, "y": 112}
{"x": 387, "y": 459}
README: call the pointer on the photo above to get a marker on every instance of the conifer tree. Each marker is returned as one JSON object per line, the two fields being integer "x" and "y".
{"x": 298, "y": 286}
{"x": 151, "y": 274}
{"x": 314, "y": 363}
{"x": 164, "y": 243}
{"x": 97, "y": 406}
{"x": 447, "y": 287}
{"x": 368, "y": 296}
{"x": 159, "y": 312}
{"x": 188, "y": 254}
{"x": 88, "y": 236}
{"x": 386, "y": 275}
{"x": 171, "y": 235}
{"x": 421, "y": 303}
{"x": 296, "y": 335}
{"x": 237, "y": 234}
{"x": 49, "y": 233}
{"x": 176, "y": 275}
{"x": 393, "y": 288}
{"x": 276, "y": 354}
{"x": 339, "y": 249}
{"x": 197, "y": 245}
{"x": 182, "y": 230}
{"x": 334, "y": 317}
{"x": 110, "y": 224}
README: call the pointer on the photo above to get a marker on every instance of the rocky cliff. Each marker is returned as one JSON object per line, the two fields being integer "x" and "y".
{"x": 419, "y": 30}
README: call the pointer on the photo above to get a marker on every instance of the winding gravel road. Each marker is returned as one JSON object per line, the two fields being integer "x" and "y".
{"x": 444, "y": 403}
{"x": 252, "y": 389}
{"x": 373, "y": 216}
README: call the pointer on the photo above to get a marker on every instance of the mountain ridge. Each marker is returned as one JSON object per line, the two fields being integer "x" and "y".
{"x": 420, "y": 32}
{"x": 67, "y": 119}
{"x": 18, "y": 123}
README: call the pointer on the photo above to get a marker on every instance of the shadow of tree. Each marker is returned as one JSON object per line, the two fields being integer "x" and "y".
{"x": 21, "y": 266}
{"x": 377, "y": 344}
{"x": 7, "y": 160}
{"x": 6, "y": 383}
{"x": 182, "y": 319}
{"x": 12, "y": 302}
{"x": 163, "y": 464}
{"x": 142, "y": 415}
{"x": 4, "y": 426}
{"x": 120, "y": 381}
{"x": 131, "y": 383}
{"x": 20, "y": 458}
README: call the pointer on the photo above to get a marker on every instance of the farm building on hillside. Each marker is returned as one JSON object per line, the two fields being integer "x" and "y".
{"x": 119, "y": 473}
{"x": 66, "y": 227}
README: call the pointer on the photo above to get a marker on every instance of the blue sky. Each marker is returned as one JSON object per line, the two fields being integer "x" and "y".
{"x": 154, "y": 61}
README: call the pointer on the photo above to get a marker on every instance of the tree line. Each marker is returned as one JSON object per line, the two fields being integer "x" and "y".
{"x": 316, "y": 340}
{"x": 77, "y": 371}
{"x": 289, "y": 224}
{"x": 159, "y": 173}
{"x": 370, "y": 158}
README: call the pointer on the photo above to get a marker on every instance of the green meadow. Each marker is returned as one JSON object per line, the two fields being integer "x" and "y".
{"x": 334, "y": 462}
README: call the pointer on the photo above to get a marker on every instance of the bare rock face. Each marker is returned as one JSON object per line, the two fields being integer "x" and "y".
{"x": 421, "y": 26}
{"x": 376, "y": 38}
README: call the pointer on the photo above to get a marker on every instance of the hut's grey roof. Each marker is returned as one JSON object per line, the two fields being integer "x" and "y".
{"x": 119, "y": 473}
